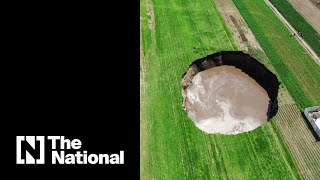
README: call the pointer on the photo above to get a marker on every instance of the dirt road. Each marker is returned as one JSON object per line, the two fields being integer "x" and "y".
{"x": 309, "y": 10}
{"x": 302, "y": 41}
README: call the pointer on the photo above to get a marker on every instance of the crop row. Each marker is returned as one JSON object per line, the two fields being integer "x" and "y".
{"x": 300, "y": 140}
{"x": 173, "y": 147}
{"x": 299, "y": 23}
{"x": 292, "y": 73}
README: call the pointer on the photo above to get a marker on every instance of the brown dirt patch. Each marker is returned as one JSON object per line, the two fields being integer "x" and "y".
{"x": 237, "y": 25}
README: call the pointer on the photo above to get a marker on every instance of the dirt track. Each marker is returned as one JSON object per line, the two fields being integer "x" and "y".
{"x": 242, "y": 34}
{"x": 288, "y": 25}
{"x": 309, "y": 10}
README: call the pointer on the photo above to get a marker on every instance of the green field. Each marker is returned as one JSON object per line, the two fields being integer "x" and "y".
{"x": 296, "y": 68}
{"x": 299, "y": 23}
{"x": 298, "y": 72}
{"x": 174, "y": 34}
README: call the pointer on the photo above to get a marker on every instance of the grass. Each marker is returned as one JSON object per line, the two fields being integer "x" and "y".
{"x": 299, "y": 23}
{"x": 172, "y": 147}
{"x": 296, "y": 68}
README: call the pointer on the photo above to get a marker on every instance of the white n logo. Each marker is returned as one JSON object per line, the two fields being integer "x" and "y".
{"x": 30, "y": 150}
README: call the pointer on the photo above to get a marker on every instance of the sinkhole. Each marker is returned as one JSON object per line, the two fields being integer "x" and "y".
{"x": 229, "y": 92}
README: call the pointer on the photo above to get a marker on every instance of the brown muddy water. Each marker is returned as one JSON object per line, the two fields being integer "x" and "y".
{"x": 226, "y": 100}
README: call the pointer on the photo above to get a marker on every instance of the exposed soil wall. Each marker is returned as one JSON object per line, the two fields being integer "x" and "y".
{"x": 247, "y": 64}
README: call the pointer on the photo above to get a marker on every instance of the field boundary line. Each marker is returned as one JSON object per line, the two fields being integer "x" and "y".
{"x": 301, "y": 13}
{"x": 288, "y": 25}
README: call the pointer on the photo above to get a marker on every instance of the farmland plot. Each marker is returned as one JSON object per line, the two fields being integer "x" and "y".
{"x": 294, "y": 129}
{"x": 300, "y": 140}
{"x": 296, "y": 68}
{"x": 310, "y": 34}
{"x": 173, "y": 34}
